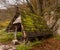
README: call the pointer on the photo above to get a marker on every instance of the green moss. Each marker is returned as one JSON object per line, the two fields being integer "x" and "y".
{"x": 34, "y": 23}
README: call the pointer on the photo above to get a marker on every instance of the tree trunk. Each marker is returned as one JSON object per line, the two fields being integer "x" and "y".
{"x": 15, "y": 33}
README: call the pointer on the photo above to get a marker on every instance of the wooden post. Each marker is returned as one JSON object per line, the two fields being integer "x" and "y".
{"x": 24, "y": 34}
{"x": 15, "y": 41}
{"x": 15, "y": 33}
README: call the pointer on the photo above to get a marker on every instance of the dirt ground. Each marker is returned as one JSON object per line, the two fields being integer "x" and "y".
{"x": 48, "y": 44}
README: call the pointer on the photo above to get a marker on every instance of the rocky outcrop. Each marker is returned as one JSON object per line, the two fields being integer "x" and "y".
{"x": 7, "y": 47}
{"x": 53, "y": 21}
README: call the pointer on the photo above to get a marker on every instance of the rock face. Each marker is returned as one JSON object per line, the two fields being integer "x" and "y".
{"x": 7, "y": 47}
{"x": 58, "y": 29}
{"x": 51, "y": 22}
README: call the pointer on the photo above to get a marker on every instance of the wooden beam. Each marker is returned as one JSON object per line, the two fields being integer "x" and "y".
{"x": 15, "y": 33}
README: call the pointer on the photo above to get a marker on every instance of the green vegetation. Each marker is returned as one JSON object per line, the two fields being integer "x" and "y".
{"x": 34, "y": 23}
{"x": 6, "y": 37}
{"x": 57, "y": 37}
{"x": 23, "y": 47}
{"x": 19, "y": 34}
{"x": 3, "y": 24}
{"x": 27, "y": 46}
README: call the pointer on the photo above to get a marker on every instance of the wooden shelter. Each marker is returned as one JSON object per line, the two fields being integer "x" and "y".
{"x": 16, "y": 26}
{"x": 15, "y": 23}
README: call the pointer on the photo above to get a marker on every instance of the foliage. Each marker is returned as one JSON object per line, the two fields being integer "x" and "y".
{"x": 3, "y": 24}
{"x": 27, "y": 47}
{"x": 19, "y": 35}
{"x": 28, "y": 23}
{"x": 57, "y": 37}
{"x": 23, "y": 47}
{"x": 34, "y": 23}
{"x": 6, "y": 37}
